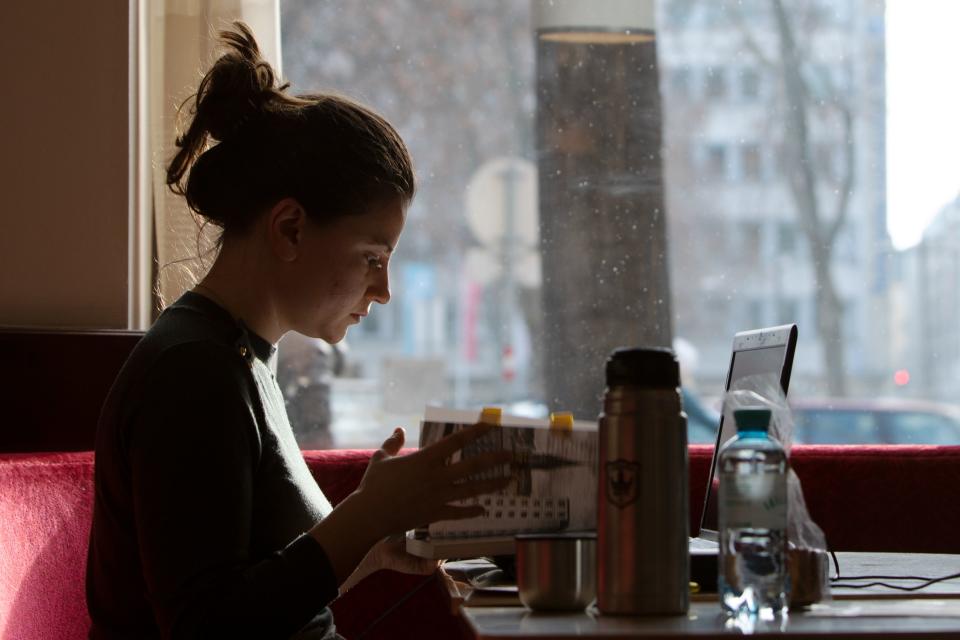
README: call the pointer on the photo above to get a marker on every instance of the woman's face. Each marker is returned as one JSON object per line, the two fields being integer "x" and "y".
{"x": 341, "y": 271}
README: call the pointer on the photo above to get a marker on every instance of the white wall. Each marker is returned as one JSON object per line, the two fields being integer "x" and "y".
{"x": 64, "y": 163}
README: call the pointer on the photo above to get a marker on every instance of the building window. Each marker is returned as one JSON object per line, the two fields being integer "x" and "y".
{"x": 680, "y": 82}
{"x": 716, "y": 166}
{"x": 716, "y": 83}
{"x": 787, "y": 238}
{"x": 749, "y": 84}
{"x": 751, "y": 162}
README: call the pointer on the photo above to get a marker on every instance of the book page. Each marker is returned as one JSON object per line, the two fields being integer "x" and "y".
{"x": 554, "y": 484}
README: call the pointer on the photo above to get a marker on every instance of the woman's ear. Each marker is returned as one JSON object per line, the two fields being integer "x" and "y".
{"x": 285, "y": 223}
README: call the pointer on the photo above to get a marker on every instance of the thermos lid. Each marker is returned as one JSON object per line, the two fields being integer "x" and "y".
{"x": 648, "y": 367}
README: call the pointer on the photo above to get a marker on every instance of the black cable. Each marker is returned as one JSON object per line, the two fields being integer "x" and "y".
{"x": 926, "y": 580}
{"x": 895, "y": 586}
{"x": 885, "y": 578}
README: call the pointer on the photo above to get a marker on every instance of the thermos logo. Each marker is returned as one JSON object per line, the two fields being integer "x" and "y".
{"x": 622, "y": 482}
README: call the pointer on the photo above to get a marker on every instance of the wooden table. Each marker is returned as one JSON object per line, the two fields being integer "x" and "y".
{"x": 854, "y": 613}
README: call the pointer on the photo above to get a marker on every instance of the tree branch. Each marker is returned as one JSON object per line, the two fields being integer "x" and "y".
{"x": 750, "y": 42}
{"x": 849, "y": 175}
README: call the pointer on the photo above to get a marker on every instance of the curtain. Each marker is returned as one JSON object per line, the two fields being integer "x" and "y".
{"x": 175, "y": 43}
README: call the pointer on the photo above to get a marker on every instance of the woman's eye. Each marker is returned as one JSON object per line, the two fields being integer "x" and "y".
{"x": 375, "y": 262}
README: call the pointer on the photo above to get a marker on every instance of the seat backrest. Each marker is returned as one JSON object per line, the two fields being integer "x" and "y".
{"x": 53, "y": 383}
{"x": 882, "y": 497}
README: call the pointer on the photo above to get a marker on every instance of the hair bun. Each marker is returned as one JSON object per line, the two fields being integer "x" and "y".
{"x": 237, "y": 90}
{"x": 238, "y": 86}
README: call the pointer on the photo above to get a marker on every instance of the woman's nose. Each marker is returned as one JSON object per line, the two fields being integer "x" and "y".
{"x": 380, "y": 289}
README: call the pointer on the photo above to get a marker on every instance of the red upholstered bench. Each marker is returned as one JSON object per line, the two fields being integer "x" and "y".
{"x": 866, "y": 498}
{"x": 46, "y": 505}
{"x": 869, "y": 498}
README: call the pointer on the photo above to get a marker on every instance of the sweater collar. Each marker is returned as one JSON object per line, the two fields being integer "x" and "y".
{"x": 249, "y": 344}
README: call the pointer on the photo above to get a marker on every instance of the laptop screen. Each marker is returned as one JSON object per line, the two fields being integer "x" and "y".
{"x": 764, "y": 351}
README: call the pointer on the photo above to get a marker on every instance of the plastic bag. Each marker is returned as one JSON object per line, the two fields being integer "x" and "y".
{"x": 807, "y": 555}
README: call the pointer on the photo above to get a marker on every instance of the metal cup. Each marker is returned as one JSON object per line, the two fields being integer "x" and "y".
{"x": 557, "y": 571}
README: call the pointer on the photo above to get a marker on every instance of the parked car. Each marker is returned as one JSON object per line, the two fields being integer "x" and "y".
{"x": 875, "y": 421}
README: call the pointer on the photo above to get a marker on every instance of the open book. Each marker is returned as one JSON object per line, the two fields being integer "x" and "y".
{"x": 554, "y": 484}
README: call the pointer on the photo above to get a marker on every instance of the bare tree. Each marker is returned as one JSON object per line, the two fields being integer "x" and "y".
{"x": 808, "y": 93}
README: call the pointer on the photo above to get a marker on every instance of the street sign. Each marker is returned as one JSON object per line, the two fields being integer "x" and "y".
{"x": 501, "y": 202}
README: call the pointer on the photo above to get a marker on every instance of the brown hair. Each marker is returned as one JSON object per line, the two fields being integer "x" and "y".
{"x": 335, "y": 156}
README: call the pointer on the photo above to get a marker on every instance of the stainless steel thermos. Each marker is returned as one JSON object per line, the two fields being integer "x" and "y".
{"x": 642, "y": 509}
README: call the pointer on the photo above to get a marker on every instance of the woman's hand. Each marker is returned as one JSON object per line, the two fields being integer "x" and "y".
{"x": 398, "y": 493}
{"x": 390, "y": 553}
{"x": 417, "y": 489}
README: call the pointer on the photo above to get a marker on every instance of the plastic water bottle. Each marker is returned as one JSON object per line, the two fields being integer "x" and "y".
{"x": 753, "y": 519}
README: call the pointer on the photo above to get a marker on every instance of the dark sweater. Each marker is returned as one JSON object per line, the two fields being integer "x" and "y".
{"x": 202, "y": 495}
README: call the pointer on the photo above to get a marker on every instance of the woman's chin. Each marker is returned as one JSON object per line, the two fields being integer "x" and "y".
{"x": 331, "y": 335}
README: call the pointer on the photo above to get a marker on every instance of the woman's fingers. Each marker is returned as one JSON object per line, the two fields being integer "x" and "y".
{"x": 453, "y": 512}
{"x": 394, "y": 443}
{"x": 456, "y": 441}
{"x": 478, "y": 464}
{"x": 391, "y": 446}
{"x": 475, "y": 488}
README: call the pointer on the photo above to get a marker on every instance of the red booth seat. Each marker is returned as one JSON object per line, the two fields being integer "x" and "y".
{"x": 896, "y": 498}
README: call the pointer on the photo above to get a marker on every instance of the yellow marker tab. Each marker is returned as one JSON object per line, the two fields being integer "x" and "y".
{"x": 491, "y": 415}
{"x": 561, "y": 422}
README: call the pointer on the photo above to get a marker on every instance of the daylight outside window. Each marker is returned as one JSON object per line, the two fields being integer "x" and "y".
{"x": 589, "y": 181}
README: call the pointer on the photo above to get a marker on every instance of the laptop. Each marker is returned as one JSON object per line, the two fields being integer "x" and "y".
{"x": 756, "y": 352}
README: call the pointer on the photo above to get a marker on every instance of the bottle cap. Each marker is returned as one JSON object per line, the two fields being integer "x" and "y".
{"x": 647, "y": 367}
{"x": 752, "y": 419}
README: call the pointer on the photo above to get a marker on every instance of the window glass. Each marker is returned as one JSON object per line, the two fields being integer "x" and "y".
{"x": 751, "y": 162}
{"x": 580, "y": 190}
{"x": 716, "y": 84}
{"x": 750, "y": 84}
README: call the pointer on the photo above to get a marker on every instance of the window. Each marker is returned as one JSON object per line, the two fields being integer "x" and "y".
{"x": 716, "y": 83}
{"x": 751, "y": 162}
{"x": 787, "y": 238}
{"x": 749, "y": 84}
{"x": 788, "y": 311}
{"x": 755, "y": 316}
{"x": 680, "y": 82}
{"x": 527, "y": 250}
{"x": 751, "y": 242}
{"x": 715, "y": 163}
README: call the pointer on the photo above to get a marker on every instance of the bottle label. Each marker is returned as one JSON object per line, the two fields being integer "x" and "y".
{"x": 753, "y": 501}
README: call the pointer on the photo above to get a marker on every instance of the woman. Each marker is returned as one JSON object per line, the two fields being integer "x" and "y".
{"x": 207, "y": 522}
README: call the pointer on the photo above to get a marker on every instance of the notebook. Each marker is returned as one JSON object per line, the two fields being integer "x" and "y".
{"x": 757, "y": 352}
